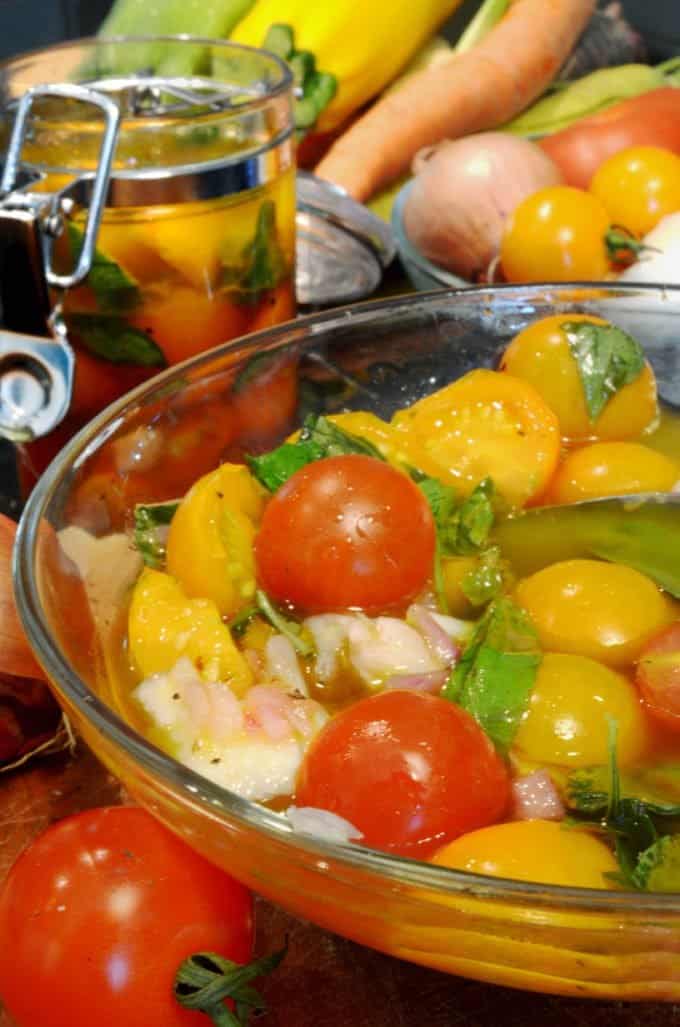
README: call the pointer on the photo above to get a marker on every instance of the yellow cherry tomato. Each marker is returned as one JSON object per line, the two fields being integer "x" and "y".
{"x": 611, "y": 469}
{"x": 532, "y": 850}
{"x": 567, "y": 720}
{"x": 540, "y": 354}
{"x": 164, "y": 625}
{"x": 603, "y": 610}
{"x": 557, "y": 234}
{"x": 639, "y": 186}
{"x": 210, "y": 543}
{"x": 484, "y": 424}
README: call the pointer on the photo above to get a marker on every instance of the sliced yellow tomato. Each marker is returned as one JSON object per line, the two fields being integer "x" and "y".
{"x": 603, "y": 610}
{"x": 567, "y": 720}
{"x": 532, "y": 850}
{"x": 164, "y": 625}
{"x": 540, "y": 355}
{"x": 210, "y": 543}
{"x": 484, "y": 424}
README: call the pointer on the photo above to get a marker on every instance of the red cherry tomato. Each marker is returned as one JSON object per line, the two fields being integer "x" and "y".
{"x": 98, "y": 913}
{"x": 658, "y": 676}
{"x": 410, "y": 771}
{"x": 346, "y": 531}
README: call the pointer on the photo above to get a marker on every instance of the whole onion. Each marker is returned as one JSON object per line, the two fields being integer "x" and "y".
{"x": 463, "y": 192}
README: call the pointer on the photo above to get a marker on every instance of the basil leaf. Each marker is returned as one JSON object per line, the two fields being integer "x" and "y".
{"x": 658, "y": 788}
{"x": 469, "y": 528}
{"x": 112, "y": 338}
{"x": 294, "y": 632}
{"x": 495, "y": 676}
{"x": 607, "y": 359}
{"x": 151, "y": 521}
{"x": 114, "y": 289}
{"x": 334, "y": 441}
{"x": 658, "y": 867}
{"x": 319, "y": 438}
{"x": 442, "y": 500}
{"x": 275, "y": 468}
{"x": 487, "y": 580}
{"x": 266, "y": 265}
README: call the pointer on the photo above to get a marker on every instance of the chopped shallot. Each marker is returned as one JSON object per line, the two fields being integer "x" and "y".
{"x": 535, "y": 797}
{"x": 322, "y": 823}
{"x": 432, "y": 682}
{"x": 434, "y": 634}
{"x": 282, "y": 665}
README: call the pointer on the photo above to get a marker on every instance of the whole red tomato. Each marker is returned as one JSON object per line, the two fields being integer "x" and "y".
{"x": 410, "y": 771}
{"x": 97, "y": 915}
{"x": 346, "y": 531}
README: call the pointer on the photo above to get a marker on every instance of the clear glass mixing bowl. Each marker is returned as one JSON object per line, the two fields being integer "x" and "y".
{"x": 247, "y": 395}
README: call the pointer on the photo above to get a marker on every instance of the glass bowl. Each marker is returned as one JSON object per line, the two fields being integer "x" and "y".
{"x": 246, "y": 396}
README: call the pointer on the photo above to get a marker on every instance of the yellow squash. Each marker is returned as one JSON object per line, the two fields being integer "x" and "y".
{"x": 364, "y": 46}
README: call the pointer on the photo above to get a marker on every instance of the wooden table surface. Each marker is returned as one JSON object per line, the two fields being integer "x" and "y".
{"x": 324, "y": 981}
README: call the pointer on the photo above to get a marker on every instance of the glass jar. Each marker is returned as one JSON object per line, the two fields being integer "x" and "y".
{"x": 197, "y": 238}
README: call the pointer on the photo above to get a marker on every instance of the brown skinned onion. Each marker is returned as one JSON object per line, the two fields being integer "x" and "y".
{"x": 463, "y": 192}
{"x": 16, "y": 658}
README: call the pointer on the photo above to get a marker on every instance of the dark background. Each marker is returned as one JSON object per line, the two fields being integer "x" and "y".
{"x": 27, "y": 24}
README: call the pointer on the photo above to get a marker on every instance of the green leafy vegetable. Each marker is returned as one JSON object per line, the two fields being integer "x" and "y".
{"x": 293, "y": 631}
{"x": 607, "y": 359}
{"x": 487, "y": 580}
{"x": 275, "y": 468}
{"x": 113, "y": 339}
{"x": 319, "y": 438}
{"x": 238, "y": 624}
{"x": 495, "y": 676}
{"x": 658, "y": 867}
{"x": 638, "y": 811}
{"x": 151, "y": 522}
{"x": 115, "y": 290}
{"x": 266, "y": 265}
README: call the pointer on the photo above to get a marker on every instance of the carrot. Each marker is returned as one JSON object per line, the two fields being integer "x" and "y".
{"x": 476, "y": 90}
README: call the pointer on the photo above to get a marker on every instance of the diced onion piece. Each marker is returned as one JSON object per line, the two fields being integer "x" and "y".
{"x": 282, "y": 664}
{"x": 439, "y": 640}
{"x": 431, "y": 683}
{"x": 535, "y": 797}
{"x": 322, "y": 823}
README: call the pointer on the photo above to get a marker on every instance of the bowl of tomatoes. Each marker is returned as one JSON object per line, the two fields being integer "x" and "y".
{"x": 354, "y": 606}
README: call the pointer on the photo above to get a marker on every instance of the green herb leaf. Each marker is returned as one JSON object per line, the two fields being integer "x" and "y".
{"x": 658, "y": 867}
{"x": 112, "y": 338}
{"x": 294, "y": 632}
{"x": 335, "y": 441}
{"x": 151, "y": 522}
{"x": 266, "y": 265}
{"x": 115, "y": 290}
{"x": 206, "y": 979}
{"x": 275, "y": 468}
{"x": 319, "y": 438}
{"x": 240, "y": 621}
{"x": 658, "y": 788}
{"x": 469, "y": 528}
{"x": 607, "y": 359}
{"x": 495, "y": 676}
{"x": 487, "y": 580}
{"x": 442, "y": 500}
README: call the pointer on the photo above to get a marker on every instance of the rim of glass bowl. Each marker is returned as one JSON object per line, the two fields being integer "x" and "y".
{"x": 218, "y": 802}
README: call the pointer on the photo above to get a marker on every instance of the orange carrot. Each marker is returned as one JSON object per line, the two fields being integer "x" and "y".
{"x": 476, "y": 90}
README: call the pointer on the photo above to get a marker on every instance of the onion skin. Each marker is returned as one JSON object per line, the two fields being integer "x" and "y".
{"x": 463, "y": 193}
{"x": 29, "y": 715}
{"x": 16, "y": 658}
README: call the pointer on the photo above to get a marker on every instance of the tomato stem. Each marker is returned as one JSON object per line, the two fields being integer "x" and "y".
{"x": 206, "y": 979}
{"x": 622, "y": 246}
